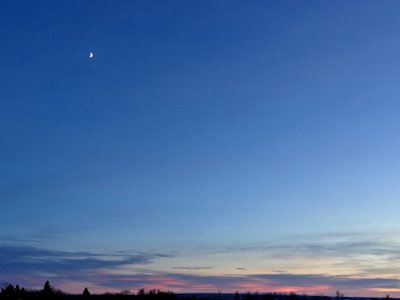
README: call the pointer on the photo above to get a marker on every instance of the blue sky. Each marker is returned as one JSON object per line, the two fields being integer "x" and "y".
{"x": 202, "y": 137}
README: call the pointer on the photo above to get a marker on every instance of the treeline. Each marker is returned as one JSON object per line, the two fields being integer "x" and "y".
{"x": 10, "y": 292}
{"x": 48, "y": 292}
{"x": 279, "y": 296}
{"x": 256, "y": 296}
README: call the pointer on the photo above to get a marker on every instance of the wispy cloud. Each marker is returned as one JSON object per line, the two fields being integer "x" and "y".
{"x": 347, "y": 245}
{"x": 300, "y": 283}
{"x": 357, "y": 265}
{"x": 14, "y": 260}
{"x": 191, "y": 268}
{"x": 377, "y": 253}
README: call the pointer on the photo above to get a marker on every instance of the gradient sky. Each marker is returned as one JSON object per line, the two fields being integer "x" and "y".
{"x": 232, "y": 145}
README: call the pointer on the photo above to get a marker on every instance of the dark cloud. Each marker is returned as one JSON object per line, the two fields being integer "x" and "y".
{"x": 191, "y": 268}
{"x": 17, "y": 260}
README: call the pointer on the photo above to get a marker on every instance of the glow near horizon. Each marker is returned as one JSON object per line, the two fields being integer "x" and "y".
{"x": 305, "y": 263}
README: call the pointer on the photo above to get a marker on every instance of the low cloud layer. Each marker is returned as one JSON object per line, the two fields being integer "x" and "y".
{"x": 371, "y": 268}
{"x": 180, "y": 282}
{"x": 300, "y": 283}
{"x": 17, "y": 260}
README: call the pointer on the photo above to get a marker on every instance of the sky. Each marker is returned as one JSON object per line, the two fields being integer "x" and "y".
{"x": 207, "y": 145}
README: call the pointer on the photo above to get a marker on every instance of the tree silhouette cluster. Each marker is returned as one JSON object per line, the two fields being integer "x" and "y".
{"x": 9, "y": 292}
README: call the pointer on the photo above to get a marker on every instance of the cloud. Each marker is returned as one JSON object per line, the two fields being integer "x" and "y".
{"x": 369, "y": 265}
{"x": 300, "y": 283}
{"x": 99, "y": 271}
{"x": 340, "y": 282}
{"x": 328, "y": 243}
{"x": 342, "y": 248}
{"x": 362, "y": 253}
{"x": 191, "y": 268}
{"x": 17, "y": 260}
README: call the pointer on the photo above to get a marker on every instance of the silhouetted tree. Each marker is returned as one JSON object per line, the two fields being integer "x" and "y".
{"x": 292, "y": 296}
{"x": 339, "y": 295}
{"x": 152, "y": 292}
{"x": 8, "y": 292}
{"x": 125, "y": 292}
{"x": 47, "y": 288}
{"x": 141, "y": 292}
{"x": 48, "y": 291}
{"x": 86, "y": 293}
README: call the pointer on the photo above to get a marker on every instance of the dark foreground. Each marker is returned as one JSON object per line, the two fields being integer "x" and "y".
{"x": 10, "y": 292}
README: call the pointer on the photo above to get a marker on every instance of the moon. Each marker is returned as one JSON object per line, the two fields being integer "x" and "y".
{"x": 91, "y": 55}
